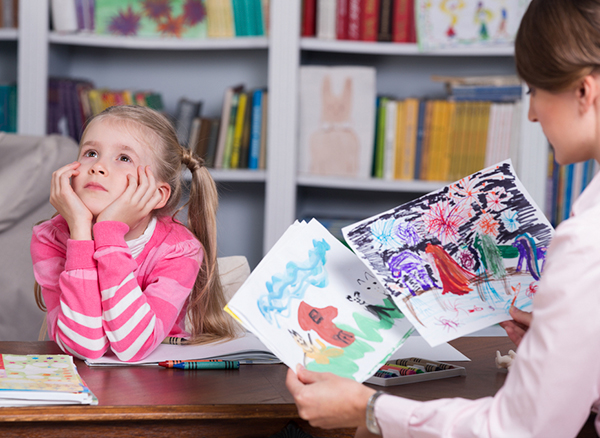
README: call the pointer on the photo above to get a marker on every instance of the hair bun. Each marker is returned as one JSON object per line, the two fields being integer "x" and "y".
{"x": 191, "y": 160}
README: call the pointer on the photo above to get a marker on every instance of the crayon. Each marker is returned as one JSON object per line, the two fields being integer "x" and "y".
{"x": 390, "y": 370}
{"x": 174, "y": 340}
{"x": 512, "y": 303}
{"x": 170, "y": 363}
{"x": 223, "y": 365}
{"x": 385, "y": 374}
{"x": 404, "y": 371}
{"x": 417, "y": 369}
{"x": 430, "y": 365}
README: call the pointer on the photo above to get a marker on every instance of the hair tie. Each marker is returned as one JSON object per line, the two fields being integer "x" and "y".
{"x": 191, "y": 161}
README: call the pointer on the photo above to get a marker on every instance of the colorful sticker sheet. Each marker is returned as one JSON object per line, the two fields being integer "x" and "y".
{"x": 456, "y": 259}
{"x": 313, "y": 302}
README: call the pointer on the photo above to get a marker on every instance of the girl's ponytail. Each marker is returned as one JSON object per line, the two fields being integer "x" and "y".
{"x": 205, "y": 308}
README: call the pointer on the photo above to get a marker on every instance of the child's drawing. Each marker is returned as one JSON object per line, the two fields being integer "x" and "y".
{"x": 455, "y": 260}
{"x": 461, "y": 23}
{"x": 313, "y": 302}
{"x": 337, "y": 120}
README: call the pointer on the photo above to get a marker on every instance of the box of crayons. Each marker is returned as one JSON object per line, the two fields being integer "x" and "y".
{"x": 413, "y": 369}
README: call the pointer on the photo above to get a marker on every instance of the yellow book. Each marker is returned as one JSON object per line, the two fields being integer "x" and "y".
{"x": 484, "y": 121}
{"x": 127, "y": 97}
{"x": 238, "y": 131}
{"x": 447, "y": 135}
{"x": 425, "y": 150}
{"x": 400, "y": 138}
{"x": 219, "y": 19}
{"x": 410, "y": 149}
{"x": 95, "y": 100}
{"x": 433, "y": 140}
{"x": 458, "y": 140}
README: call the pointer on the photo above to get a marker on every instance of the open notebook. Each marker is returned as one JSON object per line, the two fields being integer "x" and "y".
{"x": 245, "y": 348}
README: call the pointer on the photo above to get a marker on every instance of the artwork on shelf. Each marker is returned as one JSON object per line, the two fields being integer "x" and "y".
{"x": 337, "y": 120}
{"x": 455, "y": 260}
{"x": 167, "y": 18}
{"x": 462, "y": 23}
{"x": 313, "y": 302}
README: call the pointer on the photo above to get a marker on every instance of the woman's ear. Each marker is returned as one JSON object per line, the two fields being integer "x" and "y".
{"x": 165, "y": 193}
{"x": 588, "y": 92}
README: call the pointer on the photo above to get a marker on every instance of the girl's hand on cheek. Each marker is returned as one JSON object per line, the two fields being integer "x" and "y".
{"x": 68, "y": 204}
{"x": 137, "y": 201}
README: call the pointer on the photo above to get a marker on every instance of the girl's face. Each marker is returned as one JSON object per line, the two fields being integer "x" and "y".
{"x": 108, "y": 153}
{"x": 569, "y": 129}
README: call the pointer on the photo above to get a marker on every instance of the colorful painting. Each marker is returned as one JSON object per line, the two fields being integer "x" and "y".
{"x": 460, "y": 23}
{"x": 455, "y": 260}
{"x": 151, "y": 18}
{"x": 311, "y": 301}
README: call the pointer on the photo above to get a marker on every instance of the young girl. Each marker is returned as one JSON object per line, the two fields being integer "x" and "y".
{"x": 116, "y": 270}
{"x": 555, "y": 379}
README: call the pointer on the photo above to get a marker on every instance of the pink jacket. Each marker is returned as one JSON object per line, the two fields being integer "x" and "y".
{"x": 98, "y": 296}
{"x": 555, "y": 379}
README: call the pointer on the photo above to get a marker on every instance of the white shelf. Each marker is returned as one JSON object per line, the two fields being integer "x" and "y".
{"x": 124, "y": 42}
{"x": 9, "y": 34}
{"x": 371, "y": 184}
{"x": 377, "y": 48}
{"x": 238, "y": 175}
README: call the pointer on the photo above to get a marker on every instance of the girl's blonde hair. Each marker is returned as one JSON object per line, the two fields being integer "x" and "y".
{"x": 207, "y": 319}
{"x": 558, "y": 43}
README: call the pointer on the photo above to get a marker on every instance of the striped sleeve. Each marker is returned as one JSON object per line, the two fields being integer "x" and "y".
{"x": 66, "y": 271}
{"x": 137, "y": 320}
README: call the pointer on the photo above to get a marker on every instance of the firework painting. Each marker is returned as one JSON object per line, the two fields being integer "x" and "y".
{"x": 311, "y": 301}
{"x": 151, "y": 18}
{"x": 456, "y": 259}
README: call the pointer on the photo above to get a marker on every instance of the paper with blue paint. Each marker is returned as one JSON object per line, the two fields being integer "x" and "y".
{"x": 455, "y": 259}
{"x": 313, "y": 302}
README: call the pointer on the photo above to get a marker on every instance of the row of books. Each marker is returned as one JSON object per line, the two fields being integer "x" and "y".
{"x": 8, "y": 107}
{"x": 72, "y": 101}
{"x": 443, "y": 140}
{"x": 166, "y": 18}
{"x": 362, "y": 20}
{"x": 241, "y": 142}
{"x": 565, "y": 184}
{"x": 9, "y": 14}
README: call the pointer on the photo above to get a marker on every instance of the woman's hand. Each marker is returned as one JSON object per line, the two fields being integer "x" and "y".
{"x": 328, "y": 401}
{"x": 68, "y": 204}
{"x": 517, "y": 328}
{"x": 138, "y": 200}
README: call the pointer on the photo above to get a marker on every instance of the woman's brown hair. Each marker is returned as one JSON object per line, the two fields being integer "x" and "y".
{"x": 208, "y": 322}
{"x": 558, "y": 43}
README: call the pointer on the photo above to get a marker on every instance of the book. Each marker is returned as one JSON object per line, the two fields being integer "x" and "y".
{"x": 236, "y": 145}
{"x": 400, "y": 143}
{"x": 369, "y": 20}
{"x": 246, "y": 347}
{"x": 337, "y": 120}
{"x": 64, "y": 15}
{"x": 384, "y": 29}
{"x": 175, "y": 19}
{"x": 354, "y": 19}
{"x": 256, "y": 128}
{"x": 32, "y": 380}
{"x": 401, "y": 18}
{"x": 341, "y": 21}
{"x": 309, "y": 17}
{"x": 187, "y": 110}
{"x": 212, "y": 142}
{"x": 219, "y": 19}
{"x": 230, "y": 129}
{"x": 379, "y": 152}
{"x": 390, "y": 137}
{"x": 262, "y": 162}
{"x": 224, "y": 125}
{"x": 201, "y": 131}
{"x": 407, "y": 171}
{"x": 326, "y": 19}
{"x": 8, "y": 107}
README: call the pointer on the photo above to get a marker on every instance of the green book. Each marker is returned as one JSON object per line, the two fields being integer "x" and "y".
{"x": 380, "y": 138}
{"x": 230, "y": 132}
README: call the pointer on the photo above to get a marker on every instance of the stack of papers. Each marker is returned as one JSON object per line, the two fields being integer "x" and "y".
{"x": 41, "y": 380}
{"x": 246, "y": 348}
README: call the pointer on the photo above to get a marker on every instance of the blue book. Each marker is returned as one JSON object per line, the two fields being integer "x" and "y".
{"x": 508, "y": 93}
{"x": 420, "y": 133}
{"x": 568, "y": 191}
{"x": 255, "y": 130}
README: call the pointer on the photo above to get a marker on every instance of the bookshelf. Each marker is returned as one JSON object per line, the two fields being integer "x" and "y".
{"x": 257, "y": 207}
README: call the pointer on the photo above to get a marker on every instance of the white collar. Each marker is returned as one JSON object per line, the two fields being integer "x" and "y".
{"x": 136, "y": 246}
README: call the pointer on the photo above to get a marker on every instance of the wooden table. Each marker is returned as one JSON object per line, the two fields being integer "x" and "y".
{"x": 250, "y": 402}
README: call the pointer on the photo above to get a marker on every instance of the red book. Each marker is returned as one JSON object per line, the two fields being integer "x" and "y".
{"x": 341, "y": 20}
{"x": 401, "y": 21}
{"x": 309, "y": 18}
{"x": 354, "y": 15}
{"x": 370, "y": 20}
{"x": 412, "y": 29}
